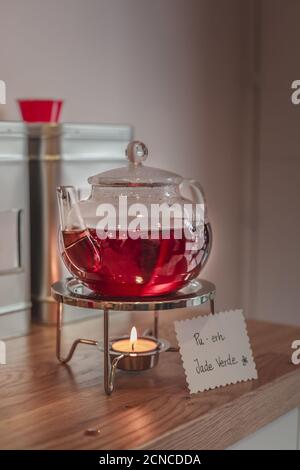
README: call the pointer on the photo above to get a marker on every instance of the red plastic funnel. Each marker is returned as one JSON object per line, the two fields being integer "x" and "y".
{"x": 40, "y": 110}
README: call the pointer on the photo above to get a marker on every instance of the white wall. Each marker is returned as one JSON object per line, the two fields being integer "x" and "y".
{"x": 275, "y": 251}
{"x": 169, "y": 67}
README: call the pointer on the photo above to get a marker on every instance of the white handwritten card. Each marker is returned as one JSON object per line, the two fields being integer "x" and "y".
{"x": 215, "y": 350}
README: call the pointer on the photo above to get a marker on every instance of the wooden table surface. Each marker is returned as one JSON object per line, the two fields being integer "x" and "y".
{"x": 45, "y": 405}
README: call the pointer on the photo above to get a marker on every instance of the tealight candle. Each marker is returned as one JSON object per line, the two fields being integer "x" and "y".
{"x": 133, "y": 344}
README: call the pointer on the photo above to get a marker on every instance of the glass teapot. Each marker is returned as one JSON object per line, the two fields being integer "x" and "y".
{"x": 142, "y": 231}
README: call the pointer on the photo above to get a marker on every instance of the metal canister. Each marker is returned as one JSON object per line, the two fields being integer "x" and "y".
{"x": 44, "y": 153}
{"x": 15, "y": 302}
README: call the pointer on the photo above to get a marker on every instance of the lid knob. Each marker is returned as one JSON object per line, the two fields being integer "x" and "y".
{"x": 136, "y": 152}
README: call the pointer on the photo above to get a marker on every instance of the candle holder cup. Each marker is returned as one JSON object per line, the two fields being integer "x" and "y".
{"x": 136, "y": 361}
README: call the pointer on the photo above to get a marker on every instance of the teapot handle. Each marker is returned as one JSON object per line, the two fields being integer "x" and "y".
{"x": 197, "y": 192}
{"x": 199, "y": 198}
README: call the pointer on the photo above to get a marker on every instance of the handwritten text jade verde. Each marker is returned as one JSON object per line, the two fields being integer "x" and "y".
{"x": 219, "y": 362}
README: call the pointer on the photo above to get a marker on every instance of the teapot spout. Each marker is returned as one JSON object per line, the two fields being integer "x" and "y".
{"x": 69, "y": 211}
{"x": 78, "y": 250}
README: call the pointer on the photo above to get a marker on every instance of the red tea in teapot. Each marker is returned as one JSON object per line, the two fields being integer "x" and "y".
{"x": 132, "y": 267}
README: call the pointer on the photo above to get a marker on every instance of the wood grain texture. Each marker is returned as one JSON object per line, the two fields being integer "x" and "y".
{"x": 44, "y": 405}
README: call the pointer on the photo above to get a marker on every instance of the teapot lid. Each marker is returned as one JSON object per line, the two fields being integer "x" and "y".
{"x": 135, "y": 174}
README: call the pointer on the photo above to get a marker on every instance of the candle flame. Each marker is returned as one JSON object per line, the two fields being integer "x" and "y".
{"x": 133, "y": 337}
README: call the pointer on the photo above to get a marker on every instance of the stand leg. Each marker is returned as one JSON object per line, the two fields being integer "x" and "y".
{"x": 107, "y": 387}
{"x": 109, "y": 369}
{"x": 155, "y": 332}
{"x": 66, "y": 359}
{"x": 112, "y": 373}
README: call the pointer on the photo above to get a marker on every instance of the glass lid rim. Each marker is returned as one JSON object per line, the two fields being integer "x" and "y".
{"x": 133, "y": 184}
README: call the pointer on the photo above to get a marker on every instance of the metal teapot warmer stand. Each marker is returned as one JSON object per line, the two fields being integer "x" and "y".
{"x": 72, "y": 292}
